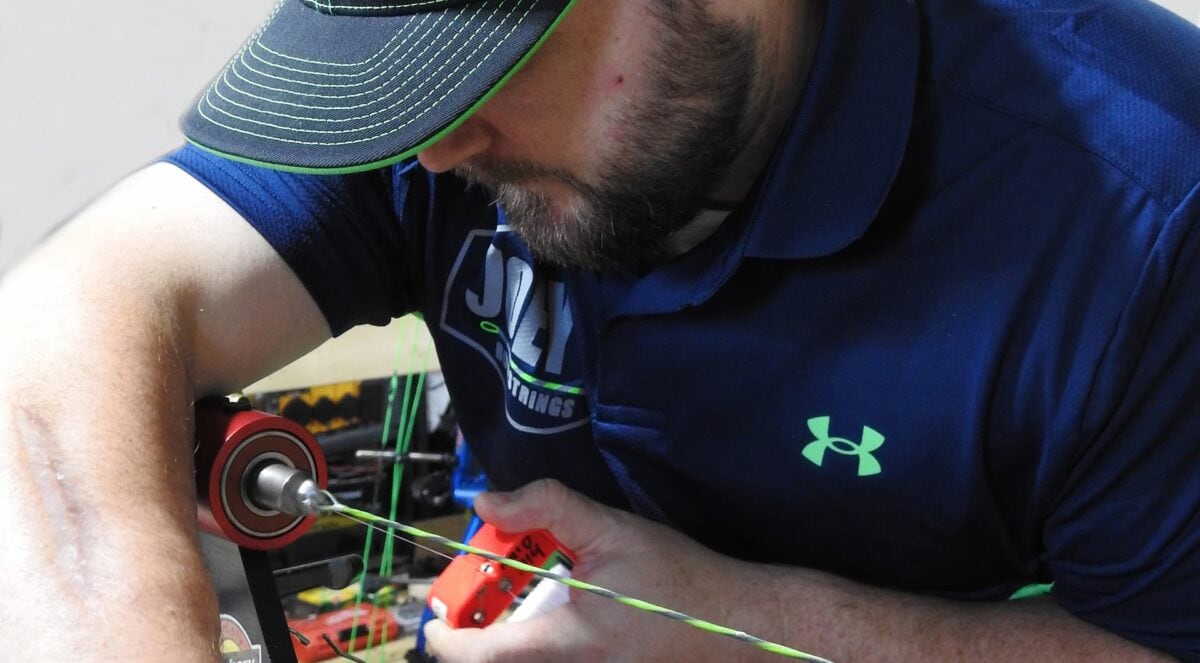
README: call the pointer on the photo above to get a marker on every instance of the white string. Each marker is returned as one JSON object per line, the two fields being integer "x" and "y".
{"x": 390, "y": 532}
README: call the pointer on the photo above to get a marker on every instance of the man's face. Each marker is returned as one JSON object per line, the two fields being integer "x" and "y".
{"x": 615, "y": 133}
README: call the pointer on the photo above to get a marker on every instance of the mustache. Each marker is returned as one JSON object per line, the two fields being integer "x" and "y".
{"x": 499, "y": 173}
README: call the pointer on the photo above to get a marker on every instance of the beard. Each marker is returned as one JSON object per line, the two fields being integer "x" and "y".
{"x": 677, "y": 143}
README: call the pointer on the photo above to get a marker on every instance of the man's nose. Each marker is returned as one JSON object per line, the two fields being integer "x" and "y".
{"x": 469, "y": 140}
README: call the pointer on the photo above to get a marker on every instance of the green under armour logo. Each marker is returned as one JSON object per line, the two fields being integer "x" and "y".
{"x": 871, "y": 441}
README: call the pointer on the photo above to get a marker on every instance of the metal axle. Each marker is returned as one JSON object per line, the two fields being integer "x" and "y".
{"x": 285, "y": 489}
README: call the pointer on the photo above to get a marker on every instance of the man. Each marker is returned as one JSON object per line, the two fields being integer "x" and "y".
{"x": 857, "y": 316}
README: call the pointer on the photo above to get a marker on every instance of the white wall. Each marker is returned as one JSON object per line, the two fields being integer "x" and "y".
{"x": 1189, "y": 9}
{"x": 91, "y": 90}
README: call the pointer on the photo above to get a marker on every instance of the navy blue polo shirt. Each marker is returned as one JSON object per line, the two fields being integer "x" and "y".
{"x": 949, "y": 345}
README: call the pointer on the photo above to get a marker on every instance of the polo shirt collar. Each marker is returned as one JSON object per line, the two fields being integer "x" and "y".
{"x": 843, "y": 148}
{"x": 829, "y": 176}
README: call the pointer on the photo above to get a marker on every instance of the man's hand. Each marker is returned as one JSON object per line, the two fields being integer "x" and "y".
{"x": 627, "y": 554}
{"x": 809, "y": 610}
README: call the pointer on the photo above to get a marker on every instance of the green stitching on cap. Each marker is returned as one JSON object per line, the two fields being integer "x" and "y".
{"x": 329, "y": 8}
{"x": 383, "y": 163}
{"x": 215, "y": 89}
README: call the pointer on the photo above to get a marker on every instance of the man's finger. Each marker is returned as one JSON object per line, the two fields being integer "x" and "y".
{"x": 576, "y": 521}
{"x": 499, "y": 642}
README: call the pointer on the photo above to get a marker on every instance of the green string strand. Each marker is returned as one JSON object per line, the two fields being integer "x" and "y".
{"x": 385, "y": 563}
{"x": 388, "y": 552}
{"x": 393, "y": 387}
{"x": 408, "y": 417}
{"x": 369, "y": 519}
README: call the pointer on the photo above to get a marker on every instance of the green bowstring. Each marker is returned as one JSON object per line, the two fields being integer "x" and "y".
{"x": 393, "y": 388}
{"x": 371, "y": 520}
{"x": 408, "y": 417}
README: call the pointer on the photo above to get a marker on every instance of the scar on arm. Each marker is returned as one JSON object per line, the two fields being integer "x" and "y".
{"x": 54, "y": 502}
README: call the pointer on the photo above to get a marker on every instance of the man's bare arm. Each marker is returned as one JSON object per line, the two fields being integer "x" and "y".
{"x": 155, "y": 295}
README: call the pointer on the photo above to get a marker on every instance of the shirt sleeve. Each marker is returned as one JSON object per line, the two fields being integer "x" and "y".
{"x": 345, "y": 236}
{"x": 1123, "y": 539}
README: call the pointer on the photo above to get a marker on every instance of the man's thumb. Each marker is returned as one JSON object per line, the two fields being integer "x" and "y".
{"x": 576, "y": 521}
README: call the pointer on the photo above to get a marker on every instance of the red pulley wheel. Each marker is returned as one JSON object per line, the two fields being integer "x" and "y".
{"x": 233, "y": 442}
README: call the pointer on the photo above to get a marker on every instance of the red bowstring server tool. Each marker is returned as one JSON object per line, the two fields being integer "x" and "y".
{"x": 474, "y": 592}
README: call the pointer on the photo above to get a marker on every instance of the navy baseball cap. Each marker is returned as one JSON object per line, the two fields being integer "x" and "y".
{"x": 341, "y": 86}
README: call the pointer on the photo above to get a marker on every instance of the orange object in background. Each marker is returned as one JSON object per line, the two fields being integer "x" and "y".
{"x": 372, "y": 622}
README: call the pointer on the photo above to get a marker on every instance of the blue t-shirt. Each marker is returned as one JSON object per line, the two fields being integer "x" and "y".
{"x": 949, "y": 345}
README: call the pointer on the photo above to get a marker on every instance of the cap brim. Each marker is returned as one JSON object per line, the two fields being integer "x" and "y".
{"x": 319, "y": 93}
